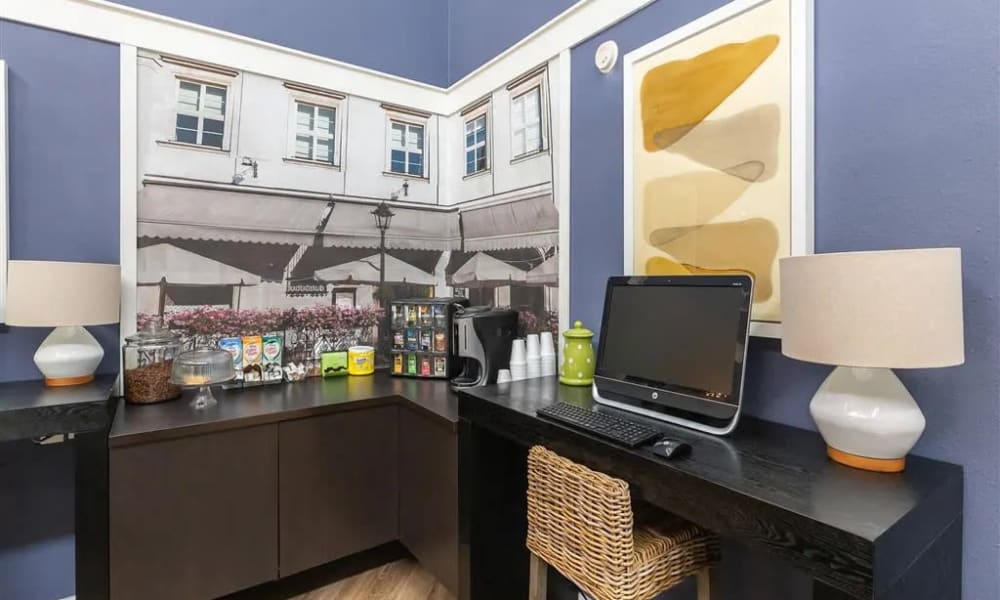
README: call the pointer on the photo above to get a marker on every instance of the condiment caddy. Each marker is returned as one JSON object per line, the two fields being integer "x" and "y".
{"x": 421, "y": 337}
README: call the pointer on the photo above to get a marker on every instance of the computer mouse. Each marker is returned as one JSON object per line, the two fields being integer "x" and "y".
{"x": 668, "y": 448}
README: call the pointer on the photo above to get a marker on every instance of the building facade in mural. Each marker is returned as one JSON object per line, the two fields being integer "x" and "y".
{"x": 258, "y": 194}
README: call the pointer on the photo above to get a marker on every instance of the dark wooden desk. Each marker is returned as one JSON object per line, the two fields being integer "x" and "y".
{"x": 857, "y": 534}
{"x": 30, "y": 410}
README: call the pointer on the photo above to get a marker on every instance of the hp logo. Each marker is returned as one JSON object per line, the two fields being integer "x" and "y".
{"x": 655, "y": 395}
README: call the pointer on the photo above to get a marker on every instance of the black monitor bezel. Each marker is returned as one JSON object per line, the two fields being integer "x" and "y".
{"x": 665, "y": 395}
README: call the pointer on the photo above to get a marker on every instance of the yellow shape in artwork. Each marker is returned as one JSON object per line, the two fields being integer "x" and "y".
{"x": 749, "y": 246}
{"x": 691, "y": 199}
{"x": 678, "y": 95}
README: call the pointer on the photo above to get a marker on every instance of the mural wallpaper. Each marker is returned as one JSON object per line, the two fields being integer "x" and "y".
{"x": 267, "y": 206}
{"x": 711, "y": 157}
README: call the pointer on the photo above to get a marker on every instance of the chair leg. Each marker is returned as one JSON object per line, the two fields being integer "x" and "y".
{"x": 704, "y": 583}
{"x": 538, "y": 586}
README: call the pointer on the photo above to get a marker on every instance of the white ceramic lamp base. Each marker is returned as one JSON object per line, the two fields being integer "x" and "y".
{"x": 68, "y": 356}
{"x": 868, "y": 418}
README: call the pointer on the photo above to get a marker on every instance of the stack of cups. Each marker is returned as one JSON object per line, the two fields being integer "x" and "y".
{"x": 518, "y": 361}
{"x": 534, "y": 356}
{"x": 548, "y": 354}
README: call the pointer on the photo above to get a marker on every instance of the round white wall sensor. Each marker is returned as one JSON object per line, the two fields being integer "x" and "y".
{"x": 606, "y": 56}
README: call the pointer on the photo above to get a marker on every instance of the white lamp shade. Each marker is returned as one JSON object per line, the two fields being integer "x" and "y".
{"x": 889, "y": 309}
{"x": 54, "y": 294}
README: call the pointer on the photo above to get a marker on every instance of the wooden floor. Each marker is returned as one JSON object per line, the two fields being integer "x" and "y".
{"x": 399, "y": 580}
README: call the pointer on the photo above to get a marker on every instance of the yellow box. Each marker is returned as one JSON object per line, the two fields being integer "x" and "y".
{"x": 360, "y": 360}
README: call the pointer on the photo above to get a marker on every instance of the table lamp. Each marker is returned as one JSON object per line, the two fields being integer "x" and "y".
{"x": 67, "y": 296}
{"x": 868, "y": 313}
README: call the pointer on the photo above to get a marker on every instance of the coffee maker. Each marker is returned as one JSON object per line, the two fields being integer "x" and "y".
{"x": 482, "y": 338}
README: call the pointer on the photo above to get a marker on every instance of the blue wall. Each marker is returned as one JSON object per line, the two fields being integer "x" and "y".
{"x": 478, "y": 30}
{"x": 63, "y": 140}
{"x": 906, "y": 156}
{"x": 409, "y": 39}
{"x": 63, "y": 144}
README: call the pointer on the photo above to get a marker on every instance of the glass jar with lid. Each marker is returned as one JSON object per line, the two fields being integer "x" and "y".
{"x": 148, "y": 358}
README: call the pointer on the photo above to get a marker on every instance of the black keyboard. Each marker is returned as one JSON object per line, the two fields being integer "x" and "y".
{"x": 621, "y": 431}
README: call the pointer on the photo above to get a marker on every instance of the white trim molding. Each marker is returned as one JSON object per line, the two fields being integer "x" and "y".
{"x": 4, "y": 191}
{"x": 801, "y": 117}
{"x": 562, "y": 183}
{"x": 128, "y": 149}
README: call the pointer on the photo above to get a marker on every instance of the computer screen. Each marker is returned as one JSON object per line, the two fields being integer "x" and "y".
{"x": 676, "y": 342}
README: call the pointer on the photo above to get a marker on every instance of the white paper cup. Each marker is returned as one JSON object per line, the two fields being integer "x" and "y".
{"x": 548, "y": 347}
{"x": 533, "y": 348}
{"x": 548, "y": 366}
{"x": 534, "y": 369}
{"x": 504, "y": 376}
{"x": 517, "y": 352}
{"x": 518, "y": 371}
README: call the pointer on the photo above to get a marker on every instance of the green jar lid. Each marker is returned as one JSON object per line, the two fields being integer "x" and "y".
{"x": 578, "y": 331}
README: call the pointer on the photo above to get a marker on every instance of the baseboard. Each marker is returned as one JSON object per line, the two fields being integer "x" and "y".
{"x": 69, "y": 598}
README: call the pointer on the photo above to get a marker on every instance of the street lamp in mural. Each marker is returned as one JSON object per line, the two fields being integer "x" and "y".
{"x": 383, "y": 218}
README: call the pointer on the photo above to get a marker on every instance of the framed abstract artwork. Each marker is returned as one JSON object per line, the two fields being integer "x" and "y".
{"x": 718, "y": 148}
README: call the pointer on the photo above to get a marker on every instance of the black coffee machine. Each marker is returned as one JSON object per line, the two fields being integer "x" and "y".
{"x": 483, "y": 336}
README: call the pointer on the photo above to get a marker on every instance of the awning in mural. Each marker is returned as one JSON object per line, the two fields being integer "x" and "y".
{"x": 193, "y": 212}
{"x": 532, "y": 222}
{"x": 180, "y": 267}
{"x": 546, "y": 273}
{"x": 352, "y": 225}
{"x": 482, "y": 270}
{"x": 366, "y": 271}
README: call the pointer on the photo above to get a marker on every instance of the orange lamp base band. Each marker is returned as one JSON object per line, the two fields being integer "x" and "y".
{"x": 67, "y": 381}
{"x": 882, "y": 465}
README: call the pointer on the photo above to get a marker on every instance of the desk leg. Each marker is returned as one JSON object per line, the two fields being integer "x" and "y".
{"x": 493, "y": 520}
{"x": 92, "y": 557}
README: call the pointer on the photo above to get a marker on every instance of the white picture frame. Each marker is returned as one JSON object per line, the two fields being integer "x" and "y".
{"x": 801, "y": 120}
{"x": 4, "y": 193}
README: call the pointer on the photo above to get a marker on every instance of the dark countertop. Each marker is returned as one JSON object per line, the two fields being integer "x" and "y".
{"x": 29, "y": 409}
{"x": 775, "y": 469}
{"x": 136, "y": 424}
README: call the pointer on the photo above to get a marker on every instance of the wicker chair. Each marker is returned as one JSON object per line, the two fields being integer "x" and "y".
{"x": 581, "y": 522}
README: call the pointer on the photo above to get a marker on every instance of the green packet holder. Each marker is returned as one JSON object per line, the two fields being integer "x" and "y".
{"x": 333, "y": 364}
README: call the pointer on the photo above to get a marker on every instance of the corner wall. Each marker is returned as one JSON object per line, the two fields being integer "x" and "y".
{"x": 907, "y": 151}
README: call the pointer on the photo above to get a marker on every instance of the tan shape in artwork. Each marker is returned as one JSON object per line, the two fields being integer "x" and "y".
{"x": 678, "y": 95}
{"x": 739, "y": 246}
{"x": 744, "y": 145}
{"x": 686, "y": 201}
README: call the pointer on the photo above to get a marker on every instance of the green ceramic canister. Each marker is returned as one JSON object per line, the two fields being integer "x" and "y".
{"x": 578, "y": 356}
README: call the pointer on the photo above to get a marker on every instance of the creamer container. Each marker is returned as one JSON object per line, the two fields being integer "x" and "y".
{"x": 271, "y": 363}
{"x": 234, "y": 346}
{"x": 252, "y": 358}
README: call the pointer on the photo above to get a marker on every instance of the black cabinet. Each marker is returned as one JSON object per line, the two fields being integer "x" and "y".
{"x": 338, "y": 486}
{"x": 194, "y": 517}
{"x": 428, "y": 493}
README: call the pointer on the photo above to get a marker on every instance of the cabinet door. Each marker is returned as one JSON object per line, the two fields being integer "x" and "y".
{"x": 428, "y": 494}
{"x": 338, "y": 486}
{"x": 194, "y": 518}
